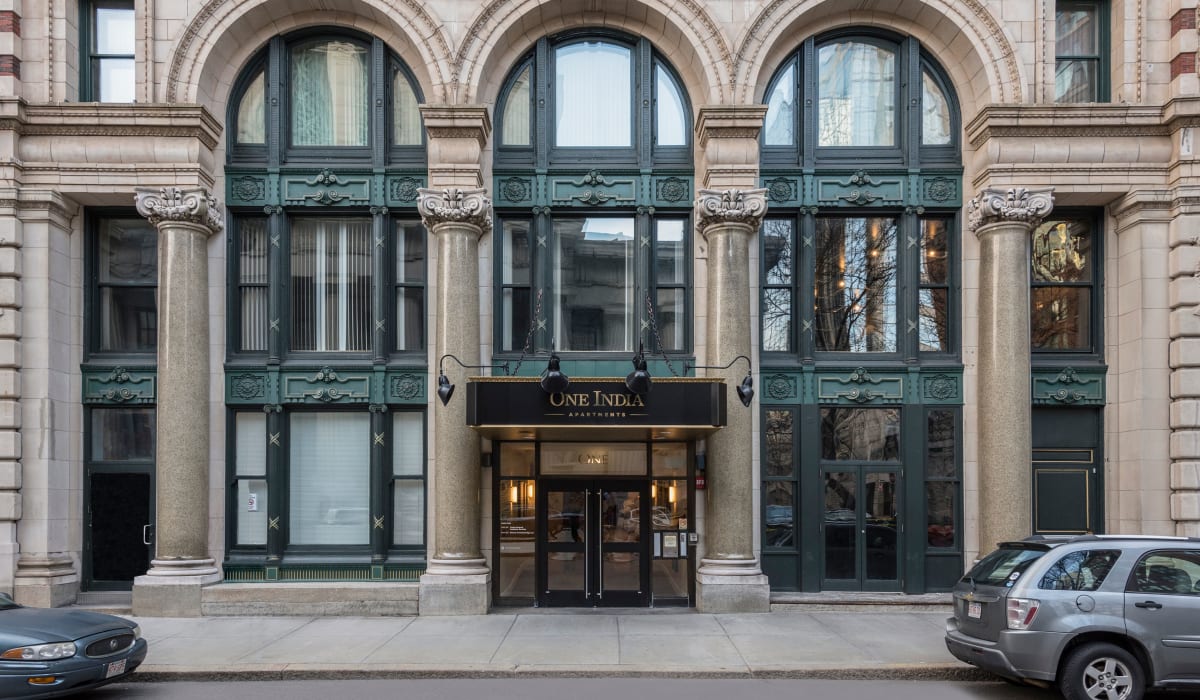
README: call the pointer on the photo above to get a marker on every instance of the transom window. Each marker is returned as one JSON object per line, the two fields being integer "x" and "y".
{"x": 600, "y": 269}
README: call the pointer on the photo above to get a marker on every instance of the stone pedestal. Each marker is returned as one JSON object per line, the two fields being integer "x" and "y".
{"x": 1003, "y": 221}
{"x": 185, "y": 220}
{"x": 456, "y": 578}
{"x": 730, "y": 578}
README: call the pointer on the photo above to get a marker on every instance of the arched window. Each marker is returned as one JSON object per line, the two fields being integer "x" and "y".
{"x": 327, "y": 266}
{"x": 595, "y": 136}
{"x": 859, "y": 284}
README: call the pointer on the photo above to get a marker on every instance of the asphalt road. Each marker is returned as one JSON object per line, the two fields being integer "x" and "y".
{"x": 574, "y": 689}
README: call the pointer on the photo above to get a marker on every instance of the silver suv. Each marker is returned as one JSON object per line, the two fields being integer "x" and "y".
{"x": 1102, "y": 616}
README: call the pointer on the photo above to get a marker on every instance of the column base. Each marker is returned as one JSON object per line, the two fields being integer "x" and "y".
{"x": 171, "y": 588}
{"x": 732, "y": 586}
{"x": 47, "y": 581}
{"x": 450, "y": 589}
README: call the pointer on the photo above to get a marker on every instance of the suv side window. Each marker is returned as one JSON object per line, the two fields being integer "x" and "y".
{"x": 1084, "y": 570}
{"x": 1175, "y": 572}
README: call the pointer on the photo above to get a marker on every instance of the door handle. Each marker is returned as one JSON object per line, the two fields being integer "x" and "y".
{"x": 587, "y": 544}
{"x": 146, "y": 534}
{"x": 1148, "y": 604}
{"x": 600, "y": 546}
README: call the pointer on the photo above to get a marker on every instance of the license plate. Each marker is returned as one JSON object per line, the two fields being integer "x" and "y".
{"x": 115, "y": 668}
{"x": 975, "y": 610}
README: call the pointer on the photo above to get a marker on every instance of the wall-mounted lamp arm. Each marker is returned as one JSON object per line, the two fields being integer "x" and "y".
{"x": 445, "y": 389}
{"x": 745, "y": 390}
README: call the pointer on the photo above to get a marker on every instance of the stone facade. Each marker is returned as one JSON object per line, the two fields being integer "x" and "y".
{"x": 1131, "y": 158}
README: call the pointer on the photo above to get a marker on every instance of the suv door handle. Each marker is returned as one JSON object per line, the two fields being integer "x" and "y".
{"x": 1148, "y": 604}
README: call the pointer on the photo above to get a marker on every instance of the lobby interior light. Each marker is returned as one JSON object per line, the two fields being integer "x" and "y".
{"x": 745, "y": 390}
{"x": 639, "y": 381}
{"x": 553, "y": 380}
{"x": 445, "y": 389}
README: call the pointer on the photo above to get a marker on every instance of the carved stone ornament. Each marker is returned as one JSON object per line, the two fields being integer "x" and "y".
{"x": 730, "y": 207}
{"x": 1014, "y": 205}
{"x": 172, "y": 204}
{"x": 455, "y": 205}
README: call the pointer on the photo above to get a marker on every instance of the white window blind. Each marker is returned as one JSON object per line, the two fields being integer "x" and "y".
{"x": 330, "y": 478}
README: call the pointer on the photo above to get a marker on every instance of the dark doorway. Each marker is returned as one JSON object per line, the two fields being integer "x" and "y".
{"x": 120, "y": 526}
{"x": 1066, "y": 471}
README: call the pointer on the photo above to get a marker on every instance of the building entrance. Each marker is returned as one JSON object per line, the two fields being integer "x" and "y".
{"x": 120, "y": 529}
{"x": 594, "y": 547}
{"x": 861, "y": 528}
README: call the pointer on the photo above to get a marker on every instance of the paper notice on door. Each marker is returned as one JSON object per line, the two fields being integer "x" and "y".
{"x": 252, "y": 503}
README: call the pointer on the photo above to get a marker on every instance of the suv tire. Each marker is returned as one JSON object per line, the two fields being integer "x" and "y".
{"x": 1094, "y": 670}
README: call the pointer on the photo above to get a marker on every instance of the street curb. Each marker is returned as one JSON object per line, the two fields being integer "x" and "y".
{"x": 938, "y": 672}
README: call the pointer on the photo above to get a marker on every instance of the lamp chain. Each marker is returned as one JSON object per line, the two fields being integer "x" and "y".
{"x": 657, "y": 337}
{"x": 537, "y": 315}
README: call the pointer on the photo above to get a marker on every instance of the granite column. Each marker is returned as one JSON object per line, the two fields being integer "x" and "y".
{"x": 1003, "y": 220}
{"x": 185, "y": 219}
{"x": 730, "y": 577}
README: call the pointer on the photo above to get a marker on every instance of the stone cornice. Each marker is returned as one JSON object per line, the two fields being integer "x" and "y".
{"x": 457, "y": 122}
{"x": 172, "y": 204}
{"x": 715, "y": 207}
{"x": 93, "y": 119}
{"x": 1085, "y": 121}
{"x": 454, "y": 205}
{"x": 729, "y": 122}
{"x": 1017, "y": 204}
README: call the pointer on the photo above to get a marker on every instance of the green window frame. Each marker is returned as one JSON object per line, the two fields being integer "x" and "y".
{"x": 121, "y": 294}
{"x": 1066, "y": 304}
{"x": 107, "y": 51}
{"x": 1081, "y": 51}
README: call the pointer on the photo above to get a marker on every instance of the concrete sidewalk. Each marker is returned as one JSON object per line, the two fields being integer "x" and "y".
{"x": 685, "y": 643}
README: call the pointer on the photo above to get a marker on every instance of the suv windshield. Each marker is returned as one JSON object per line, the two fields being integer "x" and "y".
{"x": 999, "y": 567}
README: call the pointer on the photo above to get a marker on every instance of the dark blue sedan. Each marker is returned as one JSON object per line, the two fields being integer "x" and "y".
{"x": 48, "y": 653}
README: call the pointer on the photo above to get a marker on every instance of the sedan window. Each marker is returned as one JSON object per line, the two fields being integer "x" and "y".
{"x": 1167, "y": 572}
{"x": 1080, "y": 571}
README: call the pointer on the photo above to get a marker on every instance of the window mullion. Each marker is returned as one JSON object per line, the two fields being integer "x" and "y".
{"x": 804, "y": 275}
{"x": 380, "y": 230}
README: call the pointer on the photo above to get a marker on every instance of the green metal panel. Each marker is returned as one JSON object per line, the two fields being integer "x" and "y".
{"x": 1069, "y": 386}
{"x": 860, "y": 387}
{"x": 514, "y": 190}
{"x": 941, "y": 387}
{"x": 402, "y": 189}
{"x": 594, "y": 188}
{"x": 939, "y": 190}
{"x": 861, "y": 189}
{"x": 399, "y": 573}
{"x": 673, "y": 190}
{"x": 326, "y": 187}
{"x": 327, "y": 386}
{"x": 1061, "y": 499}
{"x": 781, "y": 387}
{"x": 406, "y": 386}
{"x": 247, "y": 189}
{"x": 783, "y": 190}
{"x": 247, "y": 386}
{"x": 120, "y": 385}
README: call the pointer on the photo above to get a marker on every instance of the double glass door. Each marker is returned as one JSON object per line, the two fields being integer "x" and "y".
{"x": 861, "y": 528}
{"x": 594, "y": 536}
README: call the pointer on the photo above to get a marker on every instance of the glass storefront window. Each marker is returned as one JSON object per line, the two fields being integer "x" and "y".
{"x": 612, "y": 459}
{"x": 860, "y": 434}
{"x": 856, "y": 284}
{"x": 593, "y": 283}
{"x": 331, "y": 284}
{"x": 250, "y": 461}
{"x": 330, "y": 478}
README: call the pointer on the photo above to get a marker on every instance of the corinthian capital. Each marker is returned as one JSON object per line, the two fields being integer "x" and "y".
{"x": 194, "y": 205}
{"x": 455, "y": 205}
{"x": 1016, "y": 205}
{"x": 730, "y": 207}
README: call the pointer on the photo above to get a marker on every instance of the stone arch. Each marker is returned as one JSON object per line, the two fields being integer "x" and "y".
{"x": 225, "y": 33}
{"x": 968, "y": 41}
{"x": 505, "y": 29}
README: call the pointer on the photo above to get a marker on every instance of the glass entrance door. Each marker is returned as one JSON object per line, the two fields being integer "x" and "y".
{"x": 593, "y": 546}
{"x": 120, "y": 529}
{"x": 861, "y": 529}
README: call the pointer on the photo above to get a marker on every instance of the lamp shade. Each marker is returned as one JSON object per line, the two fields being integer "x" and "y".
{"x": 745, "y": 390}
{"x": 445, "y": 389}
{"x": 553, "y": 379}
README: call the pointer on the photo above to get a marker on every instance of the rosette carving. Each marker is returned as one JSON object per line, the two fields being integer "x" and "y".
{"x": 1014, "y": 205}
{"x": 730, "y": 207}
{"x": 172, "y": 204}
{"x": 455, "y": 205}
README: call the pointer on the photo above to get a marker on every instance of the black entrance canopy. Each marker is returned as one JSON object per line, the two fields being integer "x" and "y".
{"x": 516, "y": 408}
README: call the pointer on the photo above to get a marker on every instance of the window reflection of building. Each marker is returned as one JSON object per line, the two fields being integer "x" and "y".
{"x": 1062, "y": 285}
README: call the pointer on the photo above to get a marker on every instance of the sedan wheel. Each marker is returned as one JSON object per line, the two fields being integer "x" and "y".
{"x": 1102, "y": 672}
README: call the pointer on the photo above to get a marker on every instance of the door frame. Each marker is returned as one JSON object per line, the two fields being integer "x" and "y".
{"x": 88, "y": 582}
{"x": 860, "y": 582}
{"x": 593, "y": 555}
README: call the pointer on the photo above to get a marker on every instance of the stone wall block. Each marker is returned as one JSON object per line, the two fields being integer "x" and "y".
{"x": 1185, "y": 352}
{"x": 10, "y": 384}
{"x": 1185, "y": 505}
{"x": 10, "y": 475}
{"x": 1185, "y": 476}
{"x": 1185, "y": 383}
{"x": 1185, "y": 413}
{"x": 10, "y": 506}
{"x": 1183, "y": 260}
{"x": 1185, "y": 444}
{"x": 1184, "y": 322}
{"x": 1187, "y": 529}
{"x": 10, "y": 262}
{"x": 10, "y": 414}
{"x": 1185, "y": 292}
{"x": 10, "y": 323}
{"x": 10, "y": 353}
{"x": 10, "y": 292}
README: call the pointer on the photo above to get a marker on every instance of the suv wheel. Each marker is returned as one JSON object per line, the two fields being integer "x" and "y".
{"x": 1101, "y": 671}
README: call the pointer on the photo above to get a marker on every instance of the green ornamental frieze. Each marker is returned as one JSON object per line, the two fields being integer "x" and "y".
{"x": 119, "y": 385}
{"x": 326, "y": 187}
{"x": 327, "y": 386}
{"x": 402, "y": 386}
{"x": 594, "y": 189}
{"x": 1069, "y": 387}
{"x": 863, "y": 189}
{"x": 862, "y": 386}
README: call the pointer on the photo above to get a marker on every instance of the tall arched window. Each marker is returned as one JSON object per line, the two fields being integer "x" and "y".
{"x": 860, "y": 287}
{"x": 595, "y": 139}
{"x": 327, "y": 269}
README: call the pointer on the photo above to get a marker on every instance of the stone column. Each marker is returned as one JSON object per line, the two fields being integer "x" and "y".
{"x": 185, "y": 219}
{"x": 730, "y": 578}
{"x": 1003, "y": 220}
{"x": 456, "y": 579}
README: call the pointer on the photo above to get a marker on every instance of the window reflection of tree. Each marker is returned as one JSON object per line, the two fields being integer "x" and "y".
{"x": 860, "y": 434}
{"x": 856, "y": 284}
{"x": 777, "y": 301}
{"x": 1060, "y": 255}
